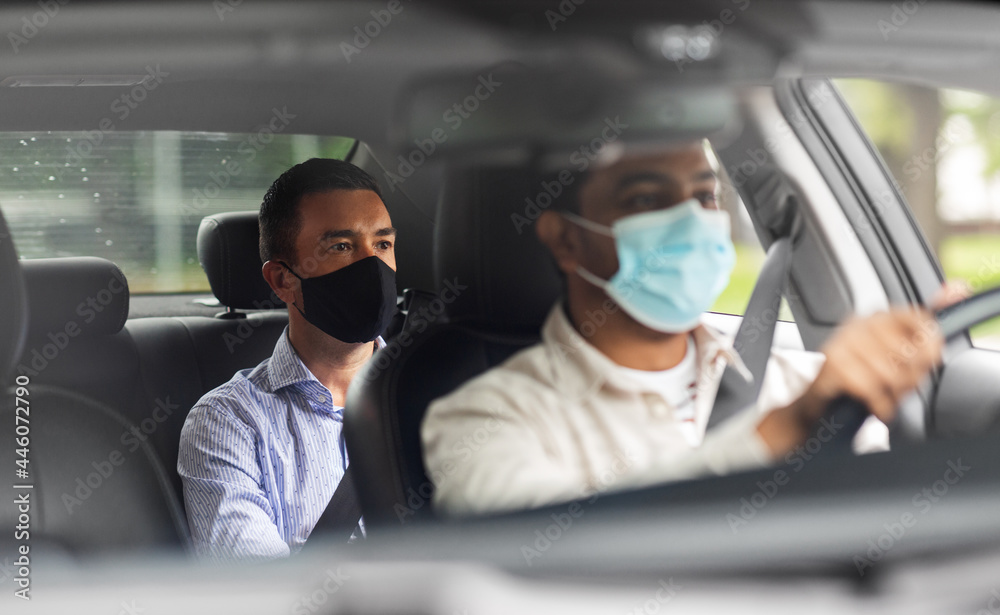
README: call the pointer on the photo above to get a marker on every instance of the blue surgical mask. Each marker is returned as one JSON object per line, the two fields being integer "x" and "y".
{"x": 672, "y": 263}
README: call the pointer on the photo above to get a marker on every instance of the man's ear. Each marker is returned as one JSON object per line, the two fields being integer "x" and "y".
{"x": 281, "y": 281}
{"x": 560, "y": 236}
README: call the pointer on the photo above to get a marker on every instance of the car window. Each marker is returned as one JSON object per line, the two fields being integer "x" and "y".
{"x": 137, "y": 198}
{"x": 942, "y": 147}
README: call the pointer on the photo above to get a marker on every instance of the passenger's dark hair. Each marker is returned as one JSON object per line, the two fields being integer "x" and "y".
{"x": 279, "y": 218}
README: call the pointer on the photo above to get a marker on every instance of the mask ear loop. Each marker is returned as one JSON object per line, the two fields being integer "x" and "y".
{"x": 590, "y": 225}
{"x": 590, "y": 277}
{"x": 285, "y": 265}
{"x": 301, "y": 279}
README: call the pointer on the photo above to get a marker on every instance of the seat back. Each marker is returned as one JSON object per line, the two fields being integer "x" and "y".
{"x": 112, "y": 390}
{"x": 98, "y": 486}
{"x": 382, "y": 424}
{"x": 90, "y": 464}
{"x": 495, "y": 285}
{"x": 181, "y": 358}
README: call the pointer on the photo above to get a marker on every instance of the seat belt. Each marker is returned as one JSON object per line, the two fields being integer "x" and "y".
{"x": 342, "y": 512}
{"x": 760, "y": 319}
{"x": 414, "y": 301}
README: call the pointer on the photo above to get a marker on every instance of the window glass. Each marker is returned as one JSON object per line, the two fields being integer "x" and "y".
{"x": 137, "y": 198}
{"x": 942, "y": 146}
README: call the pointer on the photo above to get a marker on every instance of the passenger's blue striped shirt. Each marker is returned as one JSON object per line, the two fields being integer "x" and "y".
{"x": 260, "y": 457}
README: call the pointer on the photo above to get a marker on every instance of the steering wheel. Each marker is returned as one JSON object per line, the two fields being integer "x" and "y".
{"x": 953, "y": 320}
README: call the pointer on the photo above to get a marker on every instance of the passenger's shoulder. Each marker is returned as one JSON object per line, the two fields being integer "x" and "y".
{"x": 231, "y": 401}
{"x": 239, "y": 385}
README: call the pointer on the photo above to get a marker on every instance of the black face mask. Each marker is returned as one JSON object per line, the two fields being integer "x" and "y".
{"x": 353, "y": 304}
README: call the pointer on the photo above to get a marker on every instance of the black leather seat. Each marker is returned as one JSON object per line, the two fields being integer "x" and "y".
{"x": 89, "y": 463}
{"x": 507, "y": 285}
{"x": 107, "y": 390}
{"x": 228, "y": 252}
{"x": 184, "y": 357}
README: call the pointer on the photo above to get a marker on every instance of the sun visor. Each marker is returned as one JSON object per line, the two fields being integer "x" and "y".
{"x": 514, "y": 114}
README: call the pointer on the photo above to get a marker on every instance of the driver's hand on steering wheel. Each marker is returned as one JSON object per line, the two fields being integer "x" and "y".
{"x": 951, "y": 292}
{"x": 877, "y": 360}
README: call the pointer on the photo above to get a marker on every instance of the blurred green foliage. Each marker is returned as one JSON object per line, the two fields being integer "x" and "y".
{"x": 889, "y": 122}
{"x": 976, "y": 260}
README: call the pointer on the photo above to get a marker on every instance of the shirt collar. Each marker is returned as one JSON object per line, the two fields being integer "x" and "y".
{"x": 579, "y": 369}
{"x": 719, "y": 347}
{"x": 286, "y": 367}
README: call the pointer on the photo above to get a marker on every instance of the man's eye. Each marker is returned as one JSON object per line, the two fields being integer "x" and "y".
{"x": 340, "y": 247}
{"x": 706, "y": 198}
{"x": 384, "y": 245}
{"x": 644, "y": 201}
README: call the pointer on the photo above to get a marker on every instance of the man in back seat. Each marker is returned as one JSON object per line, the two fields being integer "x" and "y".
{"x": 261, "y": 455}
{"x": 618, "y": 393}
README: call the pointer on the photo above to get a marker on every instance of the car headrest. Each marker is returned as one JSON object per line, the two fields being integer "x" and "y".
{"x": 80, "y": 295}
{"x": 13, "y": 303}
{"x": 228, "y": 252}
{"x": 487, "y": 252}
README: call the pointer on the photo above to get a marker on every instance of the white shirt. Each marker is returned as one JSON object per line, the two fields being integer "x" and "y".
{"x": 560, "y": 421}
{"x": 678, "y": 386}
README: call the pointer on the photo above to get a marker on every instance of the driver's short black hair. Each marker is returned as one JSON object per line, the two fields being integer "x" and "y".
{"x": 568, "y": 180}
{"x": 279, "y": 218}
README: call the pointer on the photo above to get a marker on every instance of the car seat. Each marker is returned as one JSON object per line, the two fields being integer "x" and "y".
{"x": 501, "y": 283}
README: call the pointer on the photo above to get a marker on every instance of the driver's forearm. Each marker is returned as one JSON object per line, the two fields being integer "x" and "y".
{"x": 786, "y": 427}
{"x": 782, "y": 430}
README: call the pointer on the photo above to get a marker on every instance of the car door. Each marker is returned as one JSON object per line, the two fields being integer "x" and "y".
{"x": 962, "y": 397}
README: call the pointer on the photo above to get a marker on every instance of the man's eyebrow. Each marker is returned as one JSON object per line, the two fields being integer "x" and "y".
{"x": 643, "y": 176}
{"x": 705, "y": 175}
{"x": 350, "y": 233}
{"x": 327, "y": 236}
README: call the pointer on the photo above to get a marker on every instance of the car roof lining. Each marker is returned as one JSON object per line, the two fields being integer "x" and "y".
{"x": 270, "y": 53}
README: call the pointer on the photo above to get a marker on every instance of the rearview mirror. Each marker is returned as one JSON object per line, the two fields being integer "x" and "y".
{"x": 513, "y": 111}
